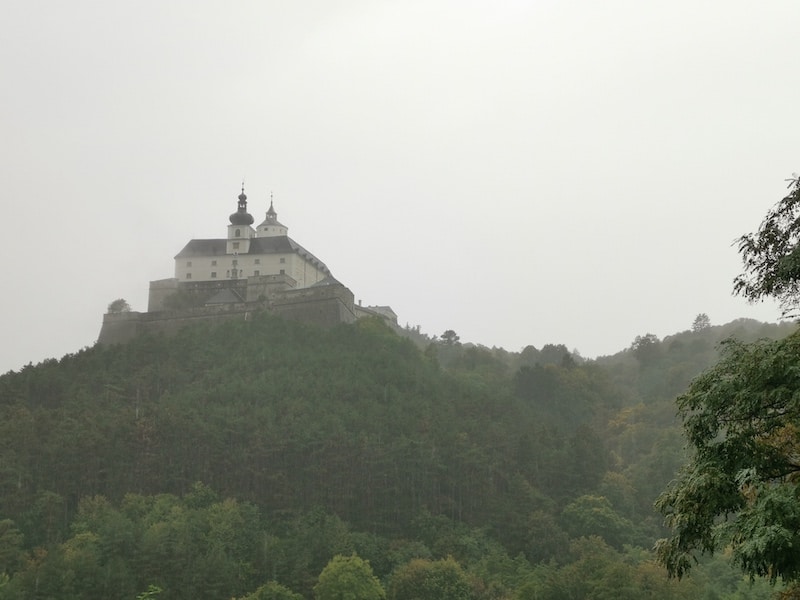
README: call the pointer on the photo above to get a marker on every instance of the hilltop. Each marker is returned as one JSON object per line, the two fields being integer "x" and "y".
{"x": 311, "y": 442}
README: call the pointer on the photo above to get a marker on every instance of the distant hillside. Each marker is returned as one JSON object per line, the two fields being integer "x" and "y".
{"x": 404, "y": 452}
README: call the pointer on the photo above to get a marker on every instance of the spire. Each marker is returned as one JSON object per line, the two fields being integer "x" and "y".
{"x": 241, "y": 216}
{"x": 272, "y": 216}
{"x": 271, "y": 226}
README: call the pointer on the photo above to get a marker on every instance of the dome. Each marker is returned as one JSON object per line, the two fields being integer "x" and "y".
{"x": 241, "y": 216}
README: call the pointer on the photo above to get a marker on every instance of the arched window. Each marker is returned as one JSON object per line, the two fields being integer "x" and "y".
{"x": 238, "y": 233}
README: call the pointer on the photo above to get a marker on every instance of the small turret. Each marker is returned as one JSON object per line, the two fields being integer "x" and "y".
{"x": 270, "y": 227}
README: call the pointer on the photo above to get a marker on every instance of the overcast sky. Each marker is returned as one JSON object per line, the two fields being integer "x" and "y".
{"x": 521, "y": 172}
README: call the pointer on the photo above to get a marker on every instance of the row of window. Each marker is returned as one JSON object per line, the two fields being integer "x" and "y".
{"x": 256, "y": 273}
{"x": 256, "y": 261}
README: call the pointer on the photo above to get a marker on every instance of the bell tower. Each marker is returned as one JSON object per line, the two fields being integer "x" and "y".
{"x": 240, "y": 230}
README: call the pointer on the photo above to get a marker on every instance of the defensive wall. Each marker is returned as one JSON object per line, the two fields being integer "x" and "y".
{"x": 324, "y": 305}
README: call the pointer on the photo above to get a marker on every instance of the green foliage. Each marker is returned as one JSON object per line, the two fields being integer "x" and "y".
{"x": 740, "y": 488}
{"x": 701, "y": 321}
{"x": 272, "y": 590}
{"x": 11, "y": 546}
{"x": 152, "y": 591}
{"x": 422, "y": 579}
{"x": 450, "y": 338}
{"x": 771, "y": 256}
{"x": 120, "y": 305}
{"x": 647, "y": 349}
{"x": 315, "y": 443}
{"x": 594, "y": 516}
{"x": 598, "y": 572}
{"x": 546, "y": 539}
{"x": 348, "y": 578}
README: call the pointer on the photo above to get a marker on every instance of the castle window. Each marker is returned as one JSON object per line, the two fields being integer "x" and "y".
{"x": 188, "y": 263}
{"x": 213, "y": 263}
{"x": 283, "y": 272}
{"x": 235, "y": 245}
{"x": 283, "y": 259}
{"x": 238, "y": 233}
{"x": 257, "y": 273}
{"x": 188, "y": 276}
{"x": 213, "y": 274}
{"x": 258, "y": 261}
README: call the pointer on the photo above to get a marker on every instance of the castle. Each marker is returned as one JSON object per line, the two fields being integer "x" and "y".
{"x": 259, "y": 268}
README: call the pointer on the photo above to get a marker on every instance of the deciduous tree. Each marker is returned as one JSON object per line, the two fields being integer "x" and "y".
{"x": 701, "y": 322}
{"x": 120, "y": 305}
{"x": 742, "y": 420}
{"x": 273, "y": 591}
{"x": 772, "y": 255}
{"x": 348, "y": 578}
{"x": 422, "y": 579}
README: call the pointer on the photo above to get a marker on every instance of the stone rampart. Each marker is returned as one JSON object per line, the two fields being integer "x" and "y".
{"x": 324, "y": 306}
{"x": 121, "y": 328}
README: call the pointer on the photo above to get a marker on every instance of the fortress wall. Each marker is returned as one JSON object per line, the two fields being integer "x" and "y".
{"x": 159, "y": 290}
{"x": 264, "y": 286}
{"x": 123, "y": 327}
{"x": 325, "y": 306}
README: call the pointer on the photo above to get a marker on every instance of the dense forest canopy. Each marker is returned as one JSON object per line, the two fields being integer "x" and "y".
{"x": 241, "y": 460}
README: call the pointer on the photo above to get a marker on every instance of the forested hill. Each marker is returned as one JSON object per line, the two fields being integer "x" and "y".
{"x": 212, "y": 462}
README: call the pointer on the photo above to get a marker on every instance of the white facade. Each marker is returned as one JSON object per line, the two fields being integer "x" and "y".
{"x": 248, "y": 252}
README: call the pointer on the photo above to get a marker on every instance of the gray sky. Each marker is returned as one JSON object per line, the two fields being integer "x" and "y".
{"x": 521, "y": 172}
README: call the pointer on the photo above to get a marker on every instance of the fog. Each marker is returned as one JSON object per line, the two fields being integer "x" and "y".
{"x": 519, "y": 172}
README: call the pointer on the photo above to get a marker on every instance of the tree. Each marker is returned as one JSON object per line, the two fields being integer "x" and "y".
{"x": 701, "y": 322}
{"x": 422, "y": 579}
{"x": 646, "y": 348}
{"x": 594, "y": 516}
{"x": 348, "y": 578}
{"x": 771, "y": 256}
{"x": 741, "y": 488}
{"x": 450, "y": 338}
{"x": 553, "y": 354}
{"x": 742, "y": 419}
{"x": 273, "y": 590}
{"x": 120, "y": 305}
{"x": 11, "y": 554}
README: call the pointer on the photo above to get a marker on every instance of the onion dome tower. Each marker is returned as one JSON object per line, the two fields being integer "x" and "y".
{"x": 240, "y": 230}
{"x": 241, "y": 216}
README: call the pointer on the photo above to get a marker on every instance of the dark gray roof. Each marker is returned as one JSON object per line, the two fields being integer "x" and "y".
{"x": 280, "y": 244}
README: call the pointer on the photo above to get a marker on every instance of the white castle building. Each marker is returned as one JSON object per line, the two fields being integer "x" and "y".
{"x": 249, "y": 252}
{"x": 253, "y": 268}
